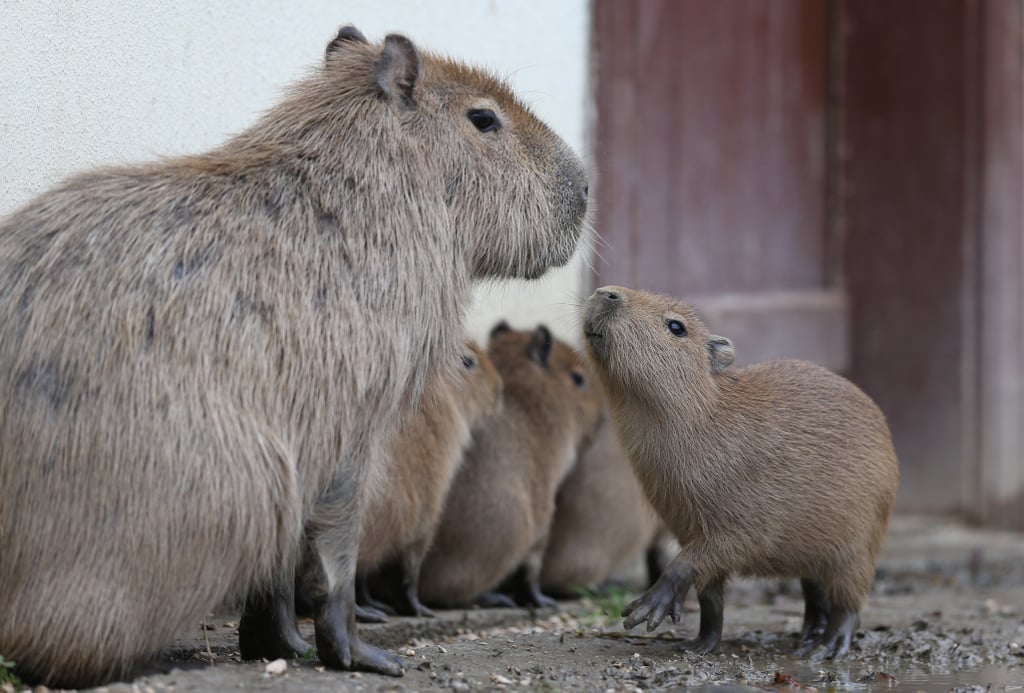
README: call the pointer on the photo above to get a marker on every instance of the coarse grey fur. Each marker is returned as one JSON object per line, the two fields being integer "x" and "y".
{"x": 203, "y": 358}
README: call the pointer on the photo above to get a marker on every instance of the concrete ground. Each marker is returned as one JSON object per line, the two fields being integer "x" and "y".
{"x": 947, "y": 613}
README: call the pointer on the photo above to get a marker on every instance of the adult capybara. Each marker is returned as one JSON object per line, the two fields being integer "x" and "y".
{"x": 603, "y": 521}
{"x": 203, "y": 358}
{"x": 402, "y": 516}
{"x": 779, "y": 469}
{"x": 501, "y": 502}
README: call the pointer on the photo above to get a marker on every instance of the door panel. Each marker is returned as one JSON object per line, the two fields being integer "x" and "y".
{"x": 711, "y": 149}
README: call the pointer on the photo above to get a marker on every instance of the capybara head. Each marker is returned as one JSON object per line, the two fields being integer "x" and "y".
{"x": 652, "y": 345}
{"x": 550, "y": 376}
{"x": 515, "y": 194}
{"x": 478, "y": 386}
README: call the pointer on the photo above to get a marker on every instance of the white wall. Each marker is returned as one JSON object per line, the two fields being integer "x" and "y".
{"x": 97, "y": 82}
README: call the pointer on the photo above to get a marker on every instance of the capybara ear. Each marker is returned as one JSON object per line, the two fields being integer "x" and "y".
{"x": 721, "y": 353}
{"x": 540, "y": 346}
{"x": 347, "y": 34}
{"x": 398, "y": 70}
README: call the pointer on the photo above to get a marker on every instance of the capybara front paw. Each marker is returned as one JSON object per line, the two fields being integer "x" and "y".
{"x": 368, "y": 614}
{"x": 496, "y": 600}
{"x": 653, "y": 607}
{"x": 366, "y": 657}
{"x": 703, "y": 645}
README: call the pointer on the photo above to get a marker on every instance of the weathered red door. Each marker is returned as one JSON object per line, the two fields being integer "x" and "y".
{"x": 711, "y": 150}
{"x": 838, "y": 181}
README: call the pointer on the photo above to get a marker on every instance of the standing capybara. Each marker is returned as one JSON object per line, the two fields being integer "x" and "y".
{"x": 602, "y": 522}
{"x": 203, "y": 358}
{"x": 779, "y": 469}
{"x": 402, "y": 516}
{"x": 501, "y": 503}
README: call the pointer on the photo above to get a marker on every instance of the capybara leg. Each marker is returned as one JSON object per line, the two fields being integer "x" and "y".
{"x": 368, "y": 614}
{"x": 657, "y": 558}
{"x": 664, "y": 598}
{"x": 268, "y": 627}
{"x": 524, "y": 583}
{"x": 815, "y": 610}
{"x": 496, "y": 600}
{"x": 334, "y": 532}
{"x": 712, "y": 603}
{"x": 337, "y": 641}
{"x": 412, "y": 560}
{"x": 839, "y": 630}
{"x": 368, "y": 609}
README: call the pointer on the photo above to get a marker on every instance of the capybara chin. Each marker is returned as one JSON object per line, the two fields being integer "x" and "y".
{"x": 202, "y": 358}
{"x": 779, "y": 469}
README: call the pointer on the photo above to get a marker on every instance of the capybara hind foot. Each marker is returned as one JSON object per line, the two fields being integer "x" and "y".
{"x": 540, "y": 600}
{"x": 413, "y": 606}
{"x": 712, "y": 602}
{"x": 338, "y": 645}
{"x": 496, "y": 600}
{"x": 368, "y": 614}
{"x": 524, "y": 584}
{"x": 268, "y": 628}
{"x": 815, "y": 611}
{"x": 835, "y": 641}
{"x": 664, "y": 598}
{"x": 370, "y": 605}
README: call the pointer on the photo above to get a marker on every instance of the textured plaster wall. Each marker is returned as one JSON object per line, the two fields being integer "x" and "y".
{"x": 100, "y": 82}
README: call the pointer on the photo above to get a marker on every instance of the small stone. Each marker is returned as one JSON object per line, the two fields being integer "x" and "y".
{"x": 500, "y": 680}
{"x": 409, "y": 652}
{"x": 277, "y": 667}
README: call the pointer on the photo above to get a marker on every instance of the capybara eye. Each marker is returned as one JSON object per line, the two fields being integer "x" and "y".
{"x": 469, "y": 362}
{"x": 578, "y": 379}
{"x": 677, "y": 328}
{"x": 484, "y": 120}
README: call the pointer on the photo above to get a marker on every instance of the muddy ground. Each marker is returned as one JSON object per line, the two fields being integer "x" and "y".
{"x": 947, "y": 613}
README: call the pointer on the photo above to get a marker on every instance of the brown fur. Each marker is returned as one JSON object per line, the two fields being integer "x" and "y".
{"x": 602, "y": 519}
{"x": 402, "y": 517}
{"x": 201, "y": 357}
{"x": 779, "y": 469}
{"x": 502, "y": 500}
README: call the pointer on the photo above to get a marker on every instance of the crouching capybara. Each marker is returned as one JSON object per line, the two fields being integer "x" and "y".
{"x": 602, "y": 522}
{"x": 202, "y": 358}
{"x": 500, "y": 505}
{"x": 778, "y": 469}
{"x": 403, "y": 514}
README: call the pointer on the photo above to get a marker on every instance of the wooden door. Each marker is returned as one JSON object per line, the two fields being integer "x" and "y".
{"x": 840, "y": 181}
{"x": 712, "y": 177}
